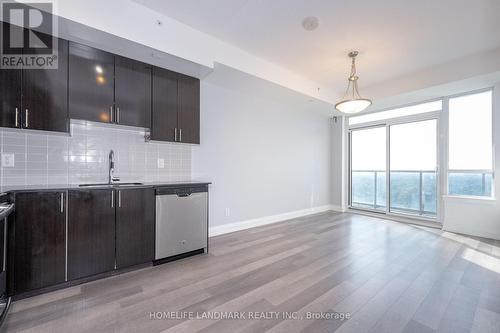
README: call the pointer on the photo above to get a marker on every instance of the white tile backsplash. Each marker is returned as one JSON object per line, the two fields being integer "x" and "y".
{"x": 82, "y": 157}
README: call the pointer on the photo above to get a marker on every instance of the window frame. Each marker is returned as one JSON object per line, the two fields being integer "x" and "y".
{"x": 442, "y": 169}
{"x": 387, "y": 123}
{"x": 401, "y": 119}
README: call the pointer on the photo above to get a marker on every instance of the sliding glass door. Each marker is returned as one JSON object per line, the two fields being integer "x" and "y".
{"x": 413, "y": 162}
{"x": 409, "y": 152}
{"x": 368, "y": 168}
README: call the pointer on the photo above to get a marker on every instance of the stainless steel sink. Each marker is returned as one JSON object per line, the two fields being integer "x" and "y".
{"x": 94, "y": 185}
{"x": 109, "y": 185}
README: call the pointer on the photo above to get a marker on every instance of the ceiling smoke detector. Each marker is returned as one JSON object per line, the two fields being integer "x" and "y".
{"x": 310, "y": 23}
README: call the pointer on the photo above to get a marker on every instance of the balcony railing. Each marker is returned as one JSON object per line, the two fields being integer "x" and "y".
{"x": 470, "y": 183}
{"x": 411, "y": 191}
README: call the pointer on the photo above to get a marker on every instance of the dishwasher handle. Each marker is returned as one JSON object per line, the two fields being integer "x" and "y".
{"x": 181, "y": 190}
{"x": 183, "y": 195}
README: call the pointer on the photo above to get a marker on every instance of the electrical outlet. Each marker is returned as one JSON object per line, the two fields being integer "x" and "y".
{"x": 7, "y": 160}
{"x": 228, "y": 212}
{"x": 161, "y": 163}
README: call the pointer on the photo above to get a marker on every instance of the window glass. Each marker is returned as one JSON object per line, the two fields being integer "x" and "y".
{"x": 470, "y": 145}
{"x": 399, "y": 112}
{"x": 413, "y": 177}
{"x": 470, "y": 132}
{"x": 368, "y": 168}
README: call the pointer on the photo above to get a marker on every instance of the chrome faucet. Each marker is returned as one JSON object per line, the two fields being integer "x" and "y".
{"x": 111, "y": 178}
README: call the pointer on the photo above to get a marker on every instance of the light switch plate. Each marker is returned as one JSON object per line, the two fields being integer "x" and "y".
{"x": 7, "y": 160}
{"x": 161, "y": 163}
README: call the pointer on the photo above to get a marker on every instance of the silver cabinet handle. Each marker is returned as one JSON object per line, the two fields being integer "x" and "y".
{"x": 119, "y": 199}
{"x": 175, "y": 134}
{"x": 26, "y": 123}
{"x": 62, "y": 202}
{"x": 117, "y": 115}
{"x": 66, "y": 245}
{"x": 112, "y": 198}
{"x": 180, "y": 134}
{"x": 111, "y": 113}
{"x": 5, "y": 242}
{"x": 17, "y": 117}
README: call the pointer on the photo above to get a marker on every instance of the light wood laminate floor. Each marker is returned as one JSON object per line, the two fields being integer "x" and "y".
{"x": 388, "y": 276}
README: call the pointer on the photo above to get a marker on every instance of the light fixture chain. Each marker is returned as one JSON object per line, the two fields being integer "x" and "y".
{"x": 353, "y": 67}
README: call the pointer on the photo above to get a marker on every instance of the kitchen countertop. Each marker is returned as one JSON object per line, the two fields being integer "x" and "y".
{"x": 64, "y": 187}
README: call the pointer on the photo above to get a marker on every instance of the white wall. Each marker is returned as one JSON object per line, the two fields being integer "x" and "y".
{"x": 338, "y": 163}
{"x": 266, "y": 149}
{"x": 478, "y": 217}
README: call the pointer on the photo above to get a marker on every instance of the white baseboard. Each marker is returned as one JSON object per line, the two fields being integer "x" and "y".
{"x": 237, "y": 226}
{"x": 339, "y": 209}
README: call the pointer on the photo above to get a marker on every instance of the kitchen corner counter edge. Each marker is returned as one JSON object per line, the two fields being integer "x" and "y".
{"x": 72, "y": 187}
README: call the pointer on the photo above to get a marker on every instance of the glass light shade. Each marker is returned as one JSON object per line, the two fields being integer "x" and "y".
{"x": 353, "y": 105}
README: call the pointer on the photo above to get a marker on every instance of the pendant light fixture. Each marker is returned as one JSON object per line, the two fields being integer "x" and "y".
{"x": 352, "y": 101}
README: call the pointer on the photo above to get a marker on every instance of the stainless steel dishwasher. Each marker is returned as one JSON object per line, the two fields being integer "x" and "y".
{"x": 181, "y": 221}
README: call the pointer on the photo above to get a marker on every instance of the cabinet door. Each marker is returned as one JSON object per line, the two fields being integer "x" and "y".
{"x": 164, "y": 114}
{"x": 91, "y": 83}
{"x": 132, "y": 92}
{"x": 189, "y": 109}
{"x": 45, "y": 95}
{"x": 135, "y": 218}
{"x": 10, "y": 92}
{"x": 91, "y": 232}
{"x": 39, "y": 240}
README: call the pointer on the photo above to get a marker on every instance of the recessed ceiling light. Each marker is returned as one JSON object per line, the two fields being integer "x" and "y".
{"x": 310, "y": 23}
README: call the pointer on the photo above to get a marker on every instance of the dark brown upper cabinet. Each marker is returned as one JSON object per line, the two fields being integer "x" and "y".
{"x": 165, "y": 106}
{"x": 45, "y": 95}
{"x": 11, "y": 100}
{"x": 91, "y": 83}
{"x": 36, "y": 98}
{"x": 10, "y": 92}
{"x": 135, "y": 225}
{"x": 189, "y": 109}
{"x": 91, "y": 232}
{"x": 176, "y": 107}
{"x": 38, "y": 245}
{"x": 132, "y": 92}
{"x": 108, "y": 88}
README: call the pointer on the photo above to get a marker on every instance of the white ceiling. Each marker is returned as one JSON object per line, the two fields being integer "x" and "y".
{"x": 394, "y": 37}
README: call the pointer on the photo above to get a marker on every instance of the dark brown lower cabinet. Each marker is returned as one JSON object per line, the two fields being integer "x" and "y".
{"x": 135, "y": 218}
{"x": 91, "y": 232}
{"x": 59, "y": 236}
{"x": 39, "y": 247}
